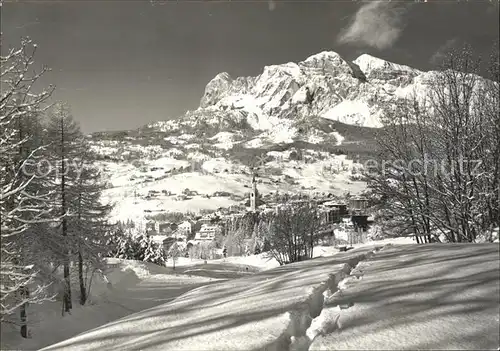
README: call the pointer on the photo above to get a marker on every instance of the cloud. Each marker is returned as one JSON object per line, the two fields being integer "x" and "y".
{"x": 272, "y": 5}
{"x": 440, "y": 55}
{"x": 377, "y": 24}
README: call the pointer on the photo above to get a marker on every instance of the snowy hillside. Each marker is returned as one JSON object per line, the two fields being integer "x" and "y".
{"x": 231, "y": 315}
{"x": 151, "y": 171}
{"x": 127, "y": 286}
{"x": 401, "y": 297}
{"x": 158, "y": 185}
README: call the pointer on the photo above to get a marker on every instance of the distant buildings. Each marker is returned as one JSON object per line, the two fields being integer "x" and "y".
{"x": 333, "y": 211}
{"x": 253, "y": 195}
{"x": 359, "y": 215}
{"x": 358, "y": 206}
{"x": 207, "y": 219}
{"x": 340, "y": 207}
{"x": 150, "y": 227}
{"x": 208, "y": 227}
{"x": 185, "y": 228}
{"x": 208, "y": 232}
{"x": 170, "y": 232}
{"x": 159, "y": 228}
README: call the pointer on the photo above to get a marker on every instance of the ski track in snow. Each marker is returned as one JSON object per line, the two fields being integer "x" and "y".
{"x": 433, "y": 296}
{"x": 270, "y": 310}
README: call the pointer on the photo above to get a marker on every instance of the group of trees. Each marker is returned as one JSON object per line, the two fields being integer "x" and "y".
{"x": 53, "y": 224}
{"x": 289, "y": 232}
{"x": 204, "y": 251}
{"x": 51, "y": 216}
{"x": 440, "y": 169}
{"x": 127, "y": 241}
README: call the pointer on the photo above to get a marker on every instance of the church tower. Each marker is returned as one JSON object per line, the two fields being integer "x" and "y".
{"x": 253, "y": 195}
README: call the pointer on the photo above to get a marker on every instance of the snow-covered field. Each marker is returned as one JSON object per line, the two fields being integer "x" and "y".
{"x": 433, "y": 296}
{"x": 133, "y": 286}
{"x": 260, "y": 261}
{"x": 260, "y": 311}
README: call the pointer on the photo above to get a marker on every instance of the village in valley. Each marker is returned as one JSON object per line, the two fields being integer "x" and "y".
{"x": 342, "y": 221}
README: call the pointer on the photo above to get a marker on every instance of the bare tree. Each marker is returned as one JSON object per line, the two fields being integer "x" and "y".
{"x": 20, "y": 208}
{"x": 174, "y": 252}
{"x": 439, "y": 174}
{"x": 290, "y": 231}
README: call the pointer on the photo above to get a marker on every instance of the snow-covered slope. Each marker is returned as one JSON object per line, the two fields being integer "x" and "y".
{"x": 151, "y": 187}
{"x": 418, "y": 297}
{"x": 124, "y": 287}
{"x": 262, "y": 311}
{"x": 406, "y": 297}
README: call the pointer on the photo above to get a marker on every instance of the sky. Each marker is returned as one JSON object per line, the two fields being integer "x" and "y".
{"x": 123, "y": 64}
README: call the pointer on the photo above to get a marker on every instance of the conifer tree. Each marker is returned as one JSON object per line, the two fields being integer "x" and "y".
{"x": 66, "y": 146}
{"x": 89, "y": 225}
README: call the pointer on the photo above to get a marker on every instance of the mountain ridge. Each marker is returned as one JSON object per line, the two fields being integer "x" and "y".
{"x": 360, "y": 92}
{"x": 309, "y": 126}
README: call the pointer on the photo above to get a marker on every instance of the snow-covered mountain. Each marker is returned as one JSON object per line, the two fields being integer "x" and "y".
{"x": 303, "y": 123}
{"x": 274, "y": 104}
{"x": 357, "y": 92}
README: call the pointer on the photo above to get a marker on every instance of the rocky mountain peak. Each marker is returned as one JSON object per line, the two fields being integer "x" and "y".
{"x": 373, "y": 66}
{"x": 326, "y": 85}
{"x": 220, "y": 83}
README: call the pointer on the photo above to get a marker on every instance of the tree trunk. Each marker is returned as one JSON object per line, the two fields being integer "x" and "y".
{"x": 312, "y": 246}
{"x": 67, "y": 288}
{"x": 67, "y": 282}
{"x": 24, "y": 323}
{"x": 83, "y": 290}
